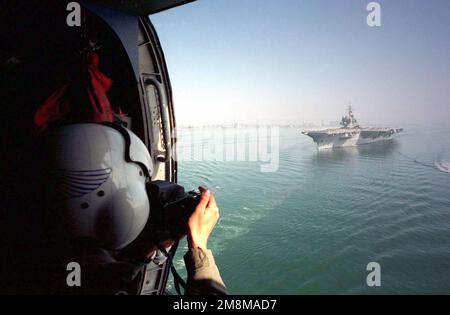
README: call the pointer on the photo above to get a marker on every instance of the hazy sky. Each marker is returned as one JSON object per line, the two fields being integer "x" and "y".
{"x": 289, "y": 61}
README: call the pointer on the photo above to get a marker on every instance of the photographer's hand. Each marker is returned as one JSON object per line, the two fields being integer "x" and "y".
{"x": 202, "y": 221}
{"x": 203, "y": 274}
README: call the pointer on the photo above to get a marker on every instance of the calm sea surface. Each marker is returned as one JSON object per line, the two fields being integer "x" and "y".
{"x": 312, "y": 226}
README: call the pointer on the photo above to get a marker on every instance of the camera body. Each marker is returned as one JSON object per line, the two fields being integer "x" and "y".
{"x": 170, "y": 209}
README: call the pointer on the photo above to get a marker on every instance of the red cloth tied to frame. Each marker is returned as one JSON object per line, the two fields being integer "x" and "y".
{"x": 82, "y": 100}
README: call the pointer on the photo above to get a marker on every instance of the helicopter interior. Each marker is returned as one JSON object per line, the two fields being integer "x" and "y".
{"x": 40, "y": 53}
{"x": 39, "y": 56}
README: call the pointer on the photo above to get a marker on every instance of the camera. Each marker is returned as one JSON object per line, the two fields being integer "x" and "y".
{"x": 170, "y": 209}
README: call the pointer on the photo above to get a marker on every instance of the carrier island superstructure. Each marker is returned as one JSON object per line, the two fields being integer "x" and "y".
{"x": 349, "y": 134}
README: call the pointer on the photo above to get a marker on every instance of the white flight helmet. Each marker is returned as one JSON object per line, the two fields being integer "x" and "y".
{"x": 97, "y": 190}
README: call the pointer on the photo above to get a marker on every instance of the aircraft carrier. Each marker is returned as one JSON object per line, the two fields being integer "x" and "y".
{"x": 349, "y": 134}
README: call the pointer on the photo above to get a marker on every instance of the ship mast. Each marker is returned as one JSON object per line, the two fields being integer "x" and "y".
{"x": 353, "y": 121}
{"x": 349, "y": 121}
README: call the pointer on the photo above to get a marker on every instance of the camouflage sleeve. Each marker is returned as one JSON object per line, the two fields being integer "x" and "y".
{"x": 203, "y": 274}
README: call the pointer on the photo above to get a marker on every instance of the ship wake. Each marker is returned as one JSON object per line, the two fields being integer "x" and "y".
{"x": 443, "y": 162}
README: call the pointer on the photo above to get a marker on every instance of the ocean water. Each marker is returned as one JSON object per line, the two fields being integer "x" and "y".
{"x": 312, "y": 226}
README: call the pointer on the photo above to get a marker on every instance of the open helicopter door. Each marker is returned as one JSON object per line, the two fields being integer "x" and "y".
{"x": 155, "y": 96}
{"x": 38, "y": 51}
{"x": 151, "y": 71}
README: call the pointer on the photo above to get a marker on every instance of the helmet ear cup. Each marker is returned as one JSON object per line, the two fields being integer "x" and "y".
{"x": 124, "y": 216}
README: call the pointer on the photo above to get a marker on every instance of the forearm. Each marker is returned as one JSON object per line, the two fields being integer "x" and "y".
{"x": 203, "y": 274}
